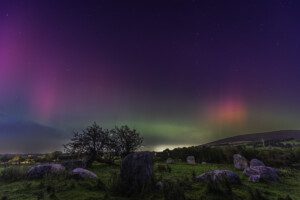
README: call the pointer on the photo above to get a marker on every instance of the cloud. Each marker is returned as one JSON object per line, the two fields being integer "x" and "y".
{"x": 24, "y": 136}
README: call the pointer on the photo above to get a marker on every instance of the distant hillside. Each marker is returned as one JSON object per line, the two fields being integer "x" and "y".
{"x": 256, "y": 137}
{"x": 18, "y": 135}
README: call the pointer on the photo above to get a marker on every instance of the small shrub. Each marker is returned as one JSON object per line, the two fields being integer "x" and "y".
{"x": 4, "y": 198}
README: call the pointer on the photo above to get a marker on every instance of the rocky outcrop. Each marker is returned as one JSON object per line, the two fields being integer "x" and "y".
{"x": 240, "y": 162}
{"x": 255, "y": 162}
{"x": 39, "y": 171}
{"x": 80, "y": 173}
{"x": 219, "y": 175}
{"x": 191, "y": 160}
{"x": 262, "y": 173}
{"x": 136, "y": 171}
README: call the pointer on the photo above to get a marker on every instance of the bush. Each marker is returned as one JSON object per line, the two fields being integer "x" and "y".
{"x": 13, "y": 173}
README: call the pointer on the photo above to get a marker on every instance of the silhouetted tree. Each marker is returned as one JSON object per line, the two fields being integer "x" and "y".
{"x": 92, "y": 142}
{"x": 126, "y": 140}
{"x": 96, "y": 143}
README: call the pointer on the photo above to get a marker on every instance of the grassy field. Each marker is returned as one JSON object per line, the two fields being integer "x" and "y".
{"x": 68, "y": 189}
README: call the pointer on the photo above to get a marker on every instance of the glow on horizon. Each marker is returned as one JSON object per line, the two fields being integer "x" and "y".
{"x": 162, "y": 147}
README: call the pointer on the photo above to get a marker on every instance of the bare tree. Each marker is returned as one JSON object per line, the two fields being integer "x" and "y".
{"x": 91, "y": 143}
{"x": 127, "y": 140}
{"x": 95, "y": 143}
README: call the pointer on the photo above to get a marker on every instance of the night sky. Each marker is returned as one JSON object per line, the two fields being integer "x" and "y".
{"x": 180, "y": 72}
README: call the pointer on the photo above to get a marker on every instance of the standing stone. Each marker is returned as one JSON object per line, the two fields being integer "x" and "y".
{"x": 240, "y": 162}
{"x": 136, "y": 172}
{"x": 262, "y": 173}
{"x": 254, "y": 178}
{"x": 170, "y": 161}
{"x": 219, "y": 175}
{"x": 255, "y": 162}
{"x": 191, "y": 160}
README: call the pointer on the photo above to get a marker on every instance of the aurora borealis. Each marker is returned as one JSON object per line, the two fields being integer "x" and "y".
{"x": 180, "y": 72}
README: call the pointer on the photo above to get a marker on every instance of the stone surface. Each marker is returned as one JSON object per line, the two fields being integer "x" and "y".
{"x": 81, "y": 173}
{"x": 254, "y": 178}
{"x": 240, "y": 162}
{"x": 170, "y": 161}
{"x": 39, "y": 171}
{"x": 255, "y": 162}
{"x": 137, "y": 171}
{"x": 262, "y": 173}
{"x": 191, "y": 160}
{"x": 72, "y": 164}
{"x": 219, "y": 175}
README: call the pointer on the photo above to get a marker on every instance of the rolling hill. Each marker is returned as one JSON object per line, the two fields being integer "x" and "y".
{"x": 256, "y": 137}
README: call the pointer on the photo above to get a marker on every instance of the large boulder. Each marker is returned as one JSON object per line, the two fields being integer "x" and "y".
{"x": 191, "y": 160}
{"x": 262, "y": 173}
{"x": 240, "y": 162}
{"x": 218, "y": 176}
{"x": 72, "y": 164}
{"x": 39, "y": 171}
{"x": 80, "y": 173}
{"x": 136, "y": 171}
{"x": 255, "y": 162}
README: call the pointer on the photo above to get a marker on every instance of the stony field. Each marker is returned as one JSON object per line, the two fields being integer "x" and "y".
{"x": 14, "y": 186}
